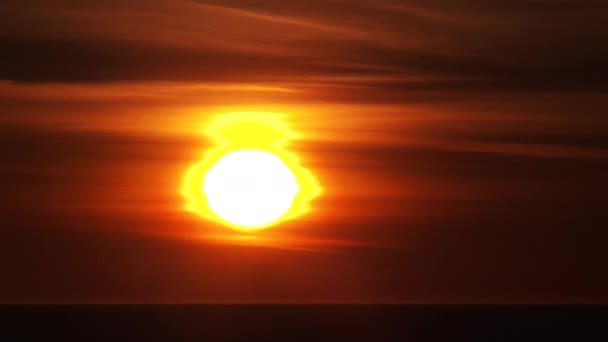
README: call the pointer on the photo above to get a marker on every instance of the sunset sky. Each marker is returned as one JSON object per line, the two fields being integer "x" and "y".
{"x": 462, "y": 147}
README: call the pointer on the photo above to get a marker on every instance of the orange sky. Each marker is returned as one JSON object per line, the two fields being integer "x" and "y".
{"x": 462, "y": 148}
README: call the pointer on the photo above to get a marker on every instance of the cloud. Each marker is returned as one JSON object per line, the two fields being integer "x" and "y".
{"x": 474, "y": 48}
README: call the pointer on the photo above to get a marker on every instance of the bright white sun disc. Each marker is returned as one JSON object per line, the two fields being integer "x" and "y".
{"x": 249, "y": 188}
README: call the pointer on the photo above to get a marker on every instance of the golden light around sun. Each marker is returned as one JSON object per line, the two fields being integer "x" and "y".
{"x": 249, "y": 180}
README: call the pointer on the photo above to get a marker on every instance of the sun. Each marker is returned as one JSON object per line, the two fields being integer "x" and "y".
{"x": 249, "y": 188}
{"x": 249, "y": 180}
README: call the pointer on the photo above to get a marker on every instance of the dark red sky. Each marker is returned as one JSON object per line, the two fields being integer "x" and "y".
{"x": 463, "y": 147}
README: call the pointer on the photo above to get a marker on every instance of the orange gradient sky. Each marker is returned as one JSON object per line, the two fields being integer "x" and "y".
{"x": 462, "y": 149}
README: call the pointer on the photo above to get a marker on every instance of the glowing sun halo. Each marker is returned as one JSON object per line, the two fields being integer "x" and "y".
{"x": 249, "y": 181}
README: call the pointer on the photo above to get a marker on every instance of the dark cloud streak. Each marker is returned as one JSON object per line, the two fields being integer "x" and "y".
{"x": 527, "y": 51}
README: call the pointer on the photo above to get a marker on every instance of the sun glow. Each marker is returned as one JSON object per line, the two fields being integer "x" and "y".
{"x": 249, "y": 180}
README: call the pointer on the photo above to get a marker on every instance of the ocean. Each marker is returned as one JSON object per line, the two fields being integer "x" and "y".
{"x": 303, "y": 322}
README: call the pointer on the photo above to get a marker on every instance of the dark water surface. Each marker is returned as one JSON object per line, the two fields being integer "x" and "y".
{"x": 303, "y": 322}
